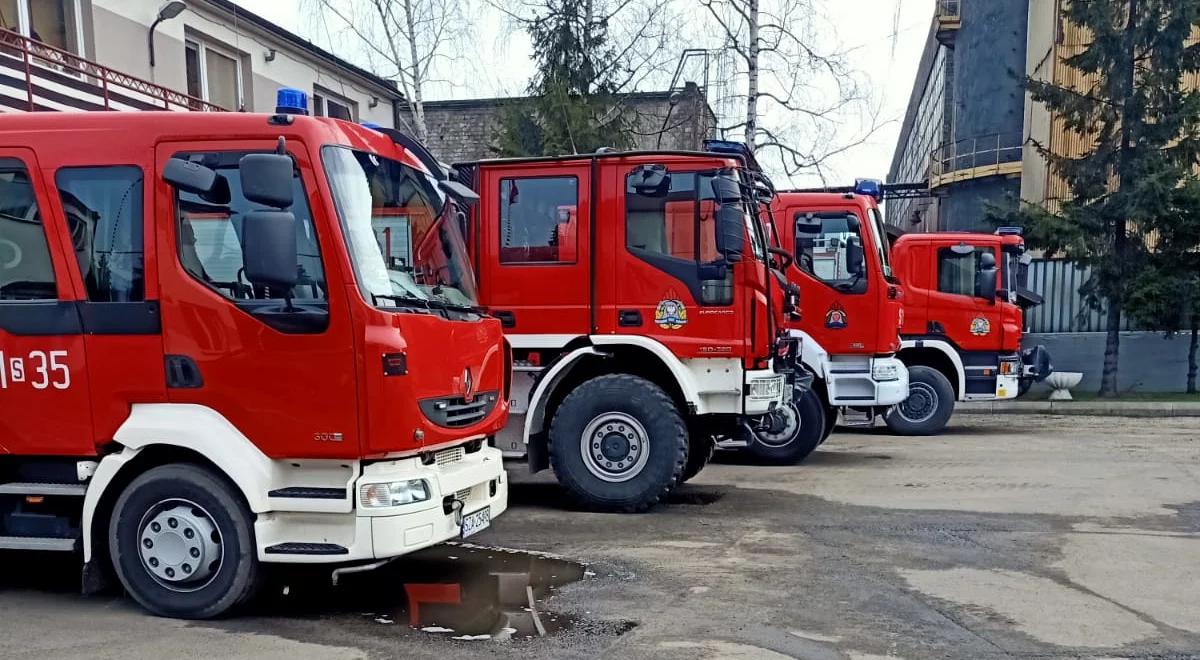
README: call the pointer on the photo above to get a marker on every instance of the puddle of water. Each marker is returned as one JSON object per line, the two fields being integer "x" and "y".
{"x": 457, "y": 591}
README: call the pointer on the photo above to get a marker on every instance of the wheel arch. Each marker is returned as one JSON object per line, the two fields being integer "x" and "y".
{"x": 160, "y": 434}
{"x": 937, "y": 355}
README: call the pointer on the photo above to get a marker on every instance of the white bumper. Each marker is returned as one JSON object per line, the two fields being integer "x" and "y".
{"x": 854, "y": 380}
{"x": 1007, "y": 387}
{"x": 477, "y": 480}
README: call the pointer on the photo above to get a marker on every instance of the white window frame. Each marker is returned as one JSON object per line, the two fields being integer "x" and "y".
{"x": 328, "y": 95}
{"x": 202, "y": 48}
{"x": 25, "y": 27}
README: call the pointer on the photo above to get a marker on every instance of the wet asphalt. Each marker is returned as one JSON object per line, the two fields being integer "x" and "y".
{"x": 1007, "y": 537}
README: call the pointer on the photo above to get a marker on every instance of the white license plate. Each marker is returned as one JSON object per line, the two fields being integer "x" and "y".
{"x": 476, "y": 522}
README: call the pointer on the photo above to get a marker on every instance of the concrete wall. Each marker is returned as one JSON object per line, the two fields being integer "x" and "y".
{"x": 1039, "y": 65}
{"x": 1148, "y": 361}
{"x": 965, "y": 206}
{"x": 989, "y": 65}
{"x": 119, "y": 30}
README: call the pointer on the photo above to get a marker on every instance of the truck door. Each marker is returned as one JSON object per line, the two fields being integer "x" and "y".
{"x": 957, "y": 304}
{"x": 534, "y": 251}
{"x": 284, "y": 376}
{"x": 841, "y": 302}
{"x": 669, "y": 281}
{"x": 44, "y": 402}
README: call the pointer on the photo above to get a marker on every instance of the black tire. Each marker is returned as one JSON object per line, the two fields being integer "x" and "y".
{"x": 930, "y": 411}
{"x": 657, "y": 452}
{"x": 802, "y": 438}
{"x": 217, "y": 508}
{"x": 701, "y": 450}
{"x": 831, "y": 418}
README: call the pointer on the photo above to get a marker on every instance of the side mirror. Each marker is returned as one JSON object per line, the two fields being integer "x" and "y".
{"x": 852, "y": 224}
{"x": 985, "y": 277}
{"x": 190, "y": 177}
{"x": 731, "y": 233}
{"x": 267, "y": 179}
{"x": 651, "y": 180}
{"x": 269, "y": 254}
{"x": 726, "y": 189}
{"x": 716, "y": 272}
{"x": 855, "y": 257}
{"x": 459, "y": 191}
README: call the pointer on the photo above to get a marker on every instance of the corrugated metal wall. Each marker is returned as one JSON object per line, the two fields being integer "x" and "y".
{"x": 1058, "y": 282}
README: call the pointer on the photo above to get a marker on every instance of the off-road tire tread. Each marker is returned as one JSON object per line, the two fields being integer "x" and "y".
{"x": 697, "y": 460}
{"x": 633, "y": 387}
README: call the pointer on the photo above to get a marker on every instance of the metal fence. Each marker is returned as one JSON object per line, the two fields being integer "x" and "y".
{"x": 1058, "y": 282}
{"x": 971, "y": 157}
{"x": 950, "y": 9}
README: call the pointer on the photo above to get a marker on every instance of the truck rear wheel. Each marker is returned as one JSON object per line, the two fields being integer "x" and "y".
{"x": 831, "y": 418}
{"x": 701, "y": 450}
{"x": 929, "y": 405}
{"x": 618, "y": 443}
{"x": 182, "y": 543}
{"x": 793, "y": 433}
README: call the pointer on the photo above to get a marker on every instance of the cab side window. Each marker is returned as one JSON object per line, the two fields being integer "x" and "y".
{"x": 956, "y": 270}
{"x": 210, "y": 235}
{"x": 26, "y": 272}
{"x": 539, "y": 218}
{"x": 829, "y": 246}
{"x": 104, "y": 211}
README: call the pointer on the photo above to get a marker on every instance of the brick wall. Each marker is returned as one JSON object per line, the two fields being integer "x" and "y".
{"x": 467, "y": 130}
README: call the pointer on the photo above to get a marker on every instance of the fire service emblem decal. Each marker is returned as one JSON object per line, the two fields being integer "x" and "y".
{"x": 671, "y": 314}
{"x": 835, "y": 318}
{"x": 980, "y": 326}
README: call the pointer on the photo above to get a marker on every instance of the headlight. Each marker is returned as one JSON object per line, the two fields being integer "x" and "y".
{"x": 394, "y": 493}
{"x": 766, "y": 388}
{"x": 885, "y": 370}
{"x": 1009, "y": 368}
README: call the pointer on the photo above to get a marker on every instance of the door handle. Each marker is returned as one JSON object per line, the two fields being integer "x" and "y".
{"x": 629, "y": 318}
{"x": 183, "y": 373}
{"x": 507, "y": 319}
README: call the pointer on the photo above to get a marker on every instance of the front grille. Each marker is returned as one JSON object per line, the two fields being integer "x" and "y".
{"x": 463, "y": 495}
{"x": 447, "y": 456}
{"x": 455, "y": 412}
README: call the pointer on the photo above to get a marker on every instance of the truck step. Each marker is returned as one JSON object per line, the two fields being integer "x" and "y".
{"x": 306, "y": 549}
{"x": 37, "y": 543}
{"x": 33, "y": 488}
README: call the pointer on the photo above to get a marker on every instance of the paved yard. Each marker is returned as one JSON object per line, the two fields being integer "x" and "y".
{"x": 1010, "y": 536}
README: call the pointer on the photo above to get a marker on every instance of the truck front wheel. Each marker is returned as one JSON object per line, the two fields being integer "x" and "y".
{"x": 618, "y": 443}
{"x": 703, "y": 447}
{"x": 790, "y": 434}
{"x": 182, "y": 543}
{"x": 929, "y": 405}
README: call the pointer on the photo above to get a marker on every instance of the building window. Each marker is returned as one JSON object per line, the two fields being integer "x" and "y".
{"x": 26, "y": 272}
{"x": 52, "y": 22}
{"x": 104, "y": 207}
{"x": 538, "y": 220}
{"x": 214, "y": 75}
{"x": 328, "y": 104}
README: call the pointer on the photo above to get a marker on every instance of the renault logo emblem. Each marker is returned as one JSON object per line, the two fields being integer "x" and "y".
{"x": 468, "y": 385}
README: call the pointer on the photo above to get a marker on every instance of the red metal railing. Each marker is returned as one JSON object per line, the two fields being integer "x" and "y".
{"x": 37, "y": 77}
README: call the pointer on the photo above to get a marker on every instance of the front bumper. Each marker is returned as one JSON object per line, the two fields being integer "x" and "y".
{"x": 458, "y": 486}
{"x": 766, "y": 389}
{"x": 855, "y": 381}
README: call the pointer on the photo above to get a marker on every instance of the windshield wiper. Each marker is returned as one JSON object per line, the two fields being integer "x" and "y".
{"x": 405, "y": 299}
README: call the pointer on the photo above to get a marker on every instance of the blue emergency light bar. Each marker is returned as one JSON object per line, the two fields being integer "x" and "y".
{"x": 289, "y": 101}
{"x": 1009, "y": 231}
{"x": 727, "y": 147}
{"x": 869, "y": 188}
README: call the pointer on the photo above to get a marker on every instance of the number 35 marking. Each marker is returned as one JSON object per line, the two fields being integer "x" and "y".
{"x": 51, "y": 370}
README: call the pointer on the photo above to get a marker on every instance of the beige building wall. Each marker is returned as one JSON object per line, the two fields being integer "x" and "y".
{"x": 118, "y": 39}
{"x": 1040, "y": 62}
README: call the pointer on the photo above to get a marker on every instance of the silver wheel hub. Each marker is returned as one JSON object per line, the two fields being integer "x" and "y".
{"x": 779, "y": 427}
{"x": 179, "y": 545}
{"x": 615, "y": 447}
{"x": 921, "y": 404}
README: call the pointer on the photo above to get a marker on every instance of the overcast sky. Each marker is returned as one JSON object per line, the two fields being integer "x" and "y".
{"x": 884, "y": 39}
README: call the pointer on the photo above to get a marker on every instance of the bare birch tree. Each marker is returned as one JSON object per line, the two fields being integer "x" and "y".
{"x": 798, "y": 91}
{"x": 403, "y": 40}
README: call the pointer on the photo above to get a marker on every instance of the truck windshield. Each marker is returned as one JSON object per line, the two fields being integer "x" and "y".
{"x": 881, "y": 243}
{"x": 404, "y": 238}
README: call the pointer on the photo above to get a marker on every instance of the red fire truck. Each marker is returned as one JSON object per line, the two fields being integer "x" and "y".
{"x": 636, "y": 292}
{"x": 852, "y": 308}
{"x": 207, "y": 363}
{"x": 964, "y": 296}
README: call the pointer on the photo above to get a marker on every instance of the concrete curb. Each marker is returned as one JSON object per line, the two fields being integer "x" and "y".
{"x": 1094, "y": 408}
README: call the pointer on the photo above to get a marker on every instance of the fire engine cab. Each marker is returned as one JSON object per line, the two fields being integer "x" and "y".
{"x": 207, "y": 362}
{"x": 852, "y": 308}
{"x": 636, "y": 292}
{"x": 964, "y": 296}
